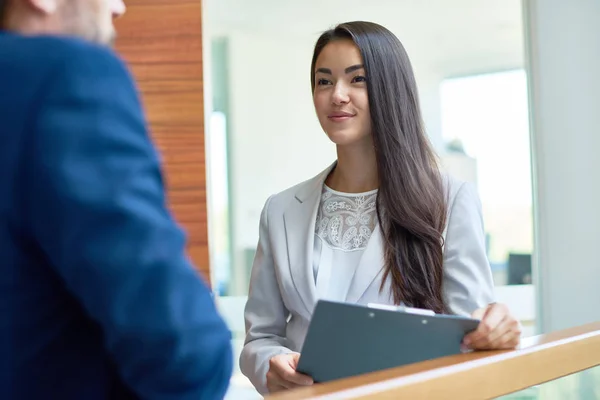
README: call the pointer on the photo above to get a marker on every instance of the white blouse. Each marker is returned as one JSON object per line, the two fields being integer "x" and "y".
{"x": 345, "y": 222}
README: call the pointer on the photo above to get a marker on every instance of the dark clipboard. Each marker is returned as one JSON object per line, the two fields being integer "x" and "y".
{"x": 346, "y": 340}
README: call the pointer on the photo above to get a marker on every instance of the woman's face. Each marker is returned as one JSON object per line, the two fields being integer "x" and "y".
{"x": 340, "y": 94}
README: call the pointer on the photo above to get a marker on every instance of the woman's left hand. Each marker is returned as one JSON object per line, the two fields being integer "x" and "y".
{"x": 497, "y": 329}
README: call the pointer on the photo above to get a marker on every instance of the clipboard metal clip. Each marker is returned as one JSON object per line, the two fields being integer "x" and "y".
{"x": 401, "y": 308}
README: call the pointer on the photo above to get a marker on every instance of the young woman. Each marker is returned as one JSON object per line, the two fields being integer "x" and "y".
{"x": 381, "y": 225}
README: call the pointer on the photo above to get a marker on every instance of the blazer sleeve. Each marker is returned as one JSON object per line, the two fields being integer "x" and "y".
{"x": 468, "y": 283}
{"x": 96, "y": 207}
{"x": 265, "y": 313}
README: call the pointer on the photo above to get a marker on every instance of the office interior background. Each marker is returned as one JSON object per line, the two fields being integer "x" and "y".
{"x": 510, "y": 95}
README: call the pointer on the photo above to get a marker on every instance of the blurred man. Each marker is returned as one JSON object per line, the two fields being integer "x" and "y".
{"x": 97, "y": 298}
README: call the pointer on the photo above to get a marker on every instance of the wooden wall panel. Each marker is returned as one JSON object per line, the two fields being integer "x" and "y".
{"x": 162, "y": 42}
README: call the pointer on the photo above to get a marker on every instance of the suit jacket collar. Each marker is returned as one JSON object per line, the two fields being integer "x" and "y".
{"x": 307, "y": 190}
{"x": 369, "y": 268}
{"x": 300, "y": 219}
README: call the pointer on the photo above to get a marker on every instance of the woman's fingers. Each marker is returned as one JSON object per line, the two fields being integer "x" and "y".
{"x": 497, "y": 329}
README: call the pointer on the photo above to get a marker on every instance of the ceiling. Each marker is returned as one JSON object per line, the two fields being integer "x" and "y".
{"x": 448, "y": 37}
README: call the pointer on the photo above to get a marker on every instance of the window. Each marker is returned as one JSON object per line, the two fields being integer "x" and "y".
{"x": 485, "y": 119}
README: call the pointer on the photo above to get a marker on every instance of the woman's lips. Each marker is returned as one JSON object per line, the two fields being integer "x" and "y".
{"x": 340, "y": 116}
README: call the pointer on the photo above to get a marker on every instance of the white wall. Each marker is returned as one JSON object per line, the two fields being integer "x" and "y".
{"x": 431, "y": 106}
{"x": 564, "y": 40}
{"x": 276, "y": 138}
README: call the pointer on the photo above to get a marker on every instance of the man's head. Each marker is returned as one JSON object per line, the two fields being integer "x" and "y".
{"x": 88, "y": 19}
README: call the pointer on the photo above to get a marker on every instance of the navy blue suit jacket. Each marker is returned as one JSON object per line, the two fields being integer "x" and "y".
{"x": 97, "y": 297}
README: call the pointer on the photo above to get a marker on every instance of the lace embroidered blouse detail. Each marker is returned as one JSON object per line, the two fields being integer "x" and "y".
{"x": 346, "y": 221}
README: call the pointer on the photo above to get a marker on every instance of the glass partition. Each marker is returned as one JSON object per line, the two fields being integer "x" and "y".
{"x": 584, "y": 385}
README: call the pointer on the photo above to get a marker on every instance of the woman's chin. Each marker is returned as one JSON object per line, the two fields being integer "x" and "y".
{"x": 345, "y": 138}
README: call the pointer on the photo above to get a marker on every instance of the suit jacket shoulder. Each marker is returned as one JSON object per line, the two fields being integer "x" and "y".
{"x": 452, "y": 186}
{"x": 42, "y": 55}
{"x": 279, "y": 202}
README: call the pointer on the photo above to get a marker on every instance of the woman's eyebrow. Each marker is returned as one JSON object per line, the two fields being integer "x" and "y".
{"x": 347, "y": 70}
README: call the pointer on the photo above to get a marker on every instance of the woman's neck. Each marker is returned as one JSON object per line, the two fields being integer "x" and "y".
{"x": 356, "y": 170}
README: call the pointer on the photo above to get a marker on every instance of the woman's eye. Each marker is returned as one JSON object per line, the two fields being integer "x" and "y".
{"x": 321, "y": 82}
{"x": 358, "y": 79}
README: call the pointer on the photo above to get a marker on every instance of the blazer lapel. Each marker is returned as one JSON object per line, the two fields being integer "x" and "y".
{"x": 299, "y": 220}
{"x": 370, "y": 266}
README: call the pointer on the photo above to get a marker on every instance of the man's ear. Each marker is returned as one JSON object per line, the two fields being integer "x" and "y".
{"x": 44, "y": 6}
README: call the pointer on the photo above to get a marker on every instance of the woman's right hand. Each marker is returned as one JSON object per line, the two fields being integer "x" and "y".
{"x": 282, "y": 373}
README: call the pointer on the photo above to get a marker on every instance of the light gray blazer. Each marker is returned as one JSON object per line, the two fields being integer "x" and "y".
{"x": 282, "y": 287}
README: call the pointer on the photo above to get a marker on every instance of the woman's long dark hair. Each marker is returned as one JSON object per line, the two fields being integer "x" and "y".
{"x": 412, "y": 201}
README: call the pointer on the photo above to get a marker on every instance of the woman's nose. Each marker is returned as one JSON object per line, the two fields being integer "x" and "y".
{"x": 340, "y": 95}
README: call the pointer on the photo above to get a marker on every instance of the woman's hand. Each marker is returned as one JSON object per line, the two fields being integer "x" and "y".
{"x": 497, "y": 329}
{"x": 282, "y": 373}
